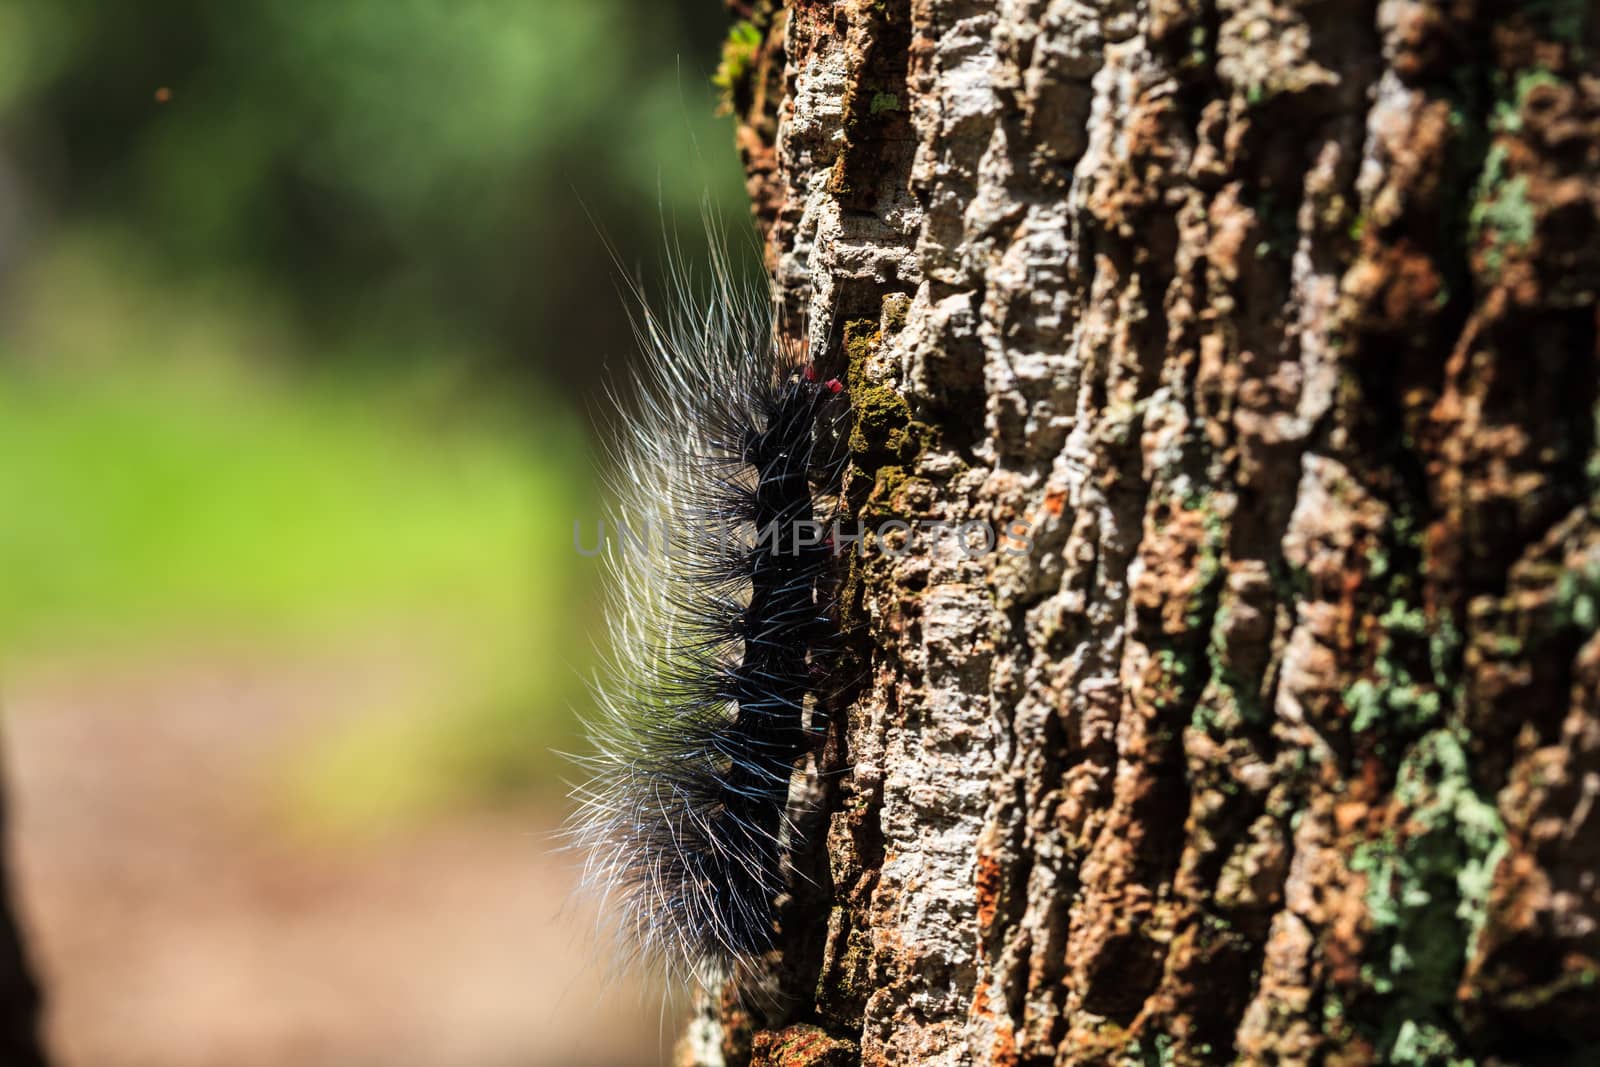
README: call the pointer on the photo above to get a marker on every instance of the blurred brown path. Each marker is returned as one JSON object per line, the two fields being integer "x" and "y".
{"x": 175, "y": 922}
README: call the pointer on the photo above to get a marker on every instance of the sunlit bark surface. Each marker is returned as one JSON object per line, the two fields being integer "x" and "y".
{"x": 1275, "y": 322}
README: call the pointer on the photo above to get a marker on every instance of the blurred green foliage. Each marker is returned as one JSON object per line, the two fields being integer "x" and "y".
{"x": 405, "y": 167}
{"x": 273, "y": 512}
{"x": 300, "y": 308}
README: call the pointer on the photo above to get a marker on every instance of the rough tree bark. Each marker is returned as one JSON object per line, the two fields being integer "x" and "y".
{"x": 1276, "y": 320}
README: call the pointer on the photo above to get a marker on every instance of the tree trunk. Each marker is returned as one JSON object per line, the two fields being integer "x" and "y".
{"x": 1274, "y": 735}
{"x": 19, "y": 994}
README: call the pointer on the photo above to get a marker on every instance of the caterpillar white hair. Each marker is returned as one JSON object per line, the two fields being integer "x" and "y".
{"x": 722, "y": 626}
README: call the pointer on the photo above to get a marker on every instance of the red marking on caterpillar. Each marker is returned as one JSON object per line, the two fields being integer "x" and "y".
{"x": 722, "y": 632}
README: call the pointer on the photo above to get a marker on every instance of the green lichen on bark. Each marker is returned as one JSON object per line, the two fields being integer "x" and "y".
{"x": 1428, "y": 881}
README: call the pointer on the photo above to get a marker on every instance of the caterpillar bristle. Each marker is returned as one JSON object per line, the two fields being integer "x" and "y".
{"x": 721, "y": 627}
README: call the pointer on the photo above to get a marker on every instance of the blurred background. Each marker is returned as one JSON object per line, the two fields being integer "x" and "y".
{"x": 303, "y": 325}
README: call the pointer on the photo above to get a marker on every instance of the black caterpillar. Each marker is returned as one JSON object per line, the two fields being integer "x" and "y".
{"x": 722, "y": 625}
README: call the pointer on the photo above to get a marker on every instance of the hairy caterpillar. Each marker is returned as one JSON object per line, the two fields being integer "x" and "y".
{"x": 722, "y": 624}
